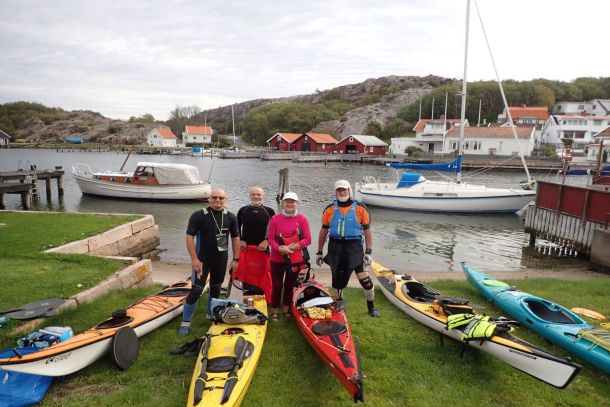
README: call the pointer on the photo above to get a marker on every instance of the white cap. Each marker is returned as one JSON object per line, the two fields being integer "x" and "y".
{"x": 291, "y": 195}
{"x": 342, "y": 184}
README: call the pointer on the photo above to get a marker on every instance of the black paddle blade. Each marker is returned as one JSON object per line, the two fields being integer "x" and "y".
{"x": 203, "y": 377}
{"x": 199, "y": 388}
{"x": 48, "y": 303}
{"x": 125, "y": 347}
{"x": 245, "y": 352}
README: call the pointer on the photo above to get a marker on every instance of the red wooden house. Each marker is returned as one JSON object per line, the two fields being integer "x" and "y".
{"x": 282, "y": 141}
{"x": 359, "y": 144}
{"x": 314, "y": 142}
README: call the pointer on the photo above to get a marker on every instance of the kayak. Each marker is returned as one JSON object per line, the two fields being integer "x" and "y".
{"x": 422, "y": 304}
{"x": 329, "y": 334}
{"x": 81, "y": 350}
{"x": 227, "y": 360}
{"x": 554, "y": 322}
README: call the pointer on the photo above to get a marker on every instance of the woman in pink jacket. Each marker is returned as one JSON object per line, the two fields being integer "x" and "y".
{"x": 289, "y": 235}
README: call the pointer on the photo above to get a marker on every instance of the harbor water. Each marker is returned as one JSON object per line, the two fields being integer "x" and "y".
{"x": 405, "y": 241}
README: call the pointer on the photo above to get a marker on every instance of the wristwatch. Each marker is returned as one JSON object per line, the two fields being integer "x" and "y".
{"x": 235, "y": 259}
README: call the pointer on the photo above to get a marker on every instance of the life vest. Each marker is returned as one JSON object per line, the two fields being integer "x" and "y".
{"x": 480, "y": 327}
{"x": 298, "y": 259}
{"x": 345, "y": 226}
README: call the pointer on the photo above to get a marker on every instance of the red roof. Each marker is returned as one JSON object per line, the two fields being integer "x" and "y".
{"x": 491, "y": 132}
{"x": 166, "y": 133}
{"x": 604, "y": 133}
{"x": 322, "y": 138}
{"x": 537, "y": 112}
{"x": 199, "y": 130}
{"x": 288, "y": 137}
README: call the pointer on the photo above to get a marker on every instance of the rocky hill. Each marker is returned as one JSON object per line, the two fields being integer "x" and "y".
{"x": 374, "y": 100}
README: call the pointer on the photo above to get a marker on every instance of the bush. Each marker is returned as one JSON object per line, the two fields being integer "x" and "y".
{"x": 413, "y": 151}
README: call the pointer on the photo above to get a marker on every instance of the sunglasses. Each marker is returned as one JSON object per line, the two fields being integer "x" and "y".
{"x": 220, "y": 198}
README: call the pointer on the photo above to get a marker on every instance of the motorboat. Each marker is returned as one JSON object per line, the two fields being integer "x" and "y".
{"x": 149, "y": 181}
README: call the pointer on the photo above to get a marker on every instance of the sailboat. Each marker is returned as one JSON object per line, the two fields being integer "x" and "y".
{"x": 414, "y": 192}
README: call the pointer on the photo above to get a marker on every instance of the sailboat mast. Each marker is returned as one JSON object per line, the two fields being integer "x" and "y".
{"x": 464, "y": 88}
{"x": 233, "y": 120}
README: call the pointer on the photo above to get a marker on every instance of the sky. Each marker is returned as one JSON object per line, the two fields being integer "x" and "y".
{"x": 130, "y": 58}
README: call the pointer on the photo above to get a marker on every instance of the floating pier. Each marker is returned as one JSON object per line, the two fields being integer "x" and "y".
{"x": 25, "y": 183}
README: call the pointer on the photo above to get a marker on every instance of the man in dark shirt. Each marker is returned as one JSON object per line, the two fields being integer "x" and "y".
{"x": 252, "y": 221}
{"x": 207, "y": 242}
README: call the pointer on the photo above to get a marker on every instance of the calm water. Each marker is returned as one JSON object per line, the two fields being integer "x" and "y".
{"x": 405, "y": 241}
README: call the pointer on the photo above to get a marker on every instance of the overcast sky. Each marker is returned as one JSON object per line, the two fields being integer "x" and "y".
{"x": 128, "y": 58}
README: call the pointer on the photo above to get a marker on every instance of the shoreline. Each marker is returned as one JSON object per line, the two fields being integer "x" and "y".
{"x": 169, "y": 272}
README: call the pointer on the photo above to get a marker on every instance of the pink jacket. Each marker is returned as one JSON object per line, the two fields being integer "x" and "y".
{"x": 280, "y": 224}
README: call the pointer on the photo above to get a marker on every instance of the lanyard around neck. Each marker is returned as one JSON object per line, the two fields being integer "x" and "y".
{"x": 222, "y": 220}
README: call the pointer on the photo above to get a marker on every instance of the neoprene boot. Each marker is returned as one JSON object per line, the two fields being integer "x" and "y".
{"x": 374, "y": 312}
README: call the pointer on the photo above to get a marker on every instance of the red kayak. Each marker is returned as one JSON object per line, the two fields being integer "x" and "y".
{"x": 328, "y": 332}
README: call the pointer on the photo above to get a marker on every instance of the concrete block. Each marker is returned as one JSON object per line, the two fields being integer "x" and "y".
{"x": 146, "y": 222}
{"x": 124, "y": 259}
{"x": 111, "y": 236}
{"x": 80, "y": 246}
{"x": 600, "y": 255}
{"x": 138, "y": 239}
{"x": 135, "y": 273}
{"x": 111, "y": 249}
{"x": 111, "y": 284}
{"x": 69, "y": 304}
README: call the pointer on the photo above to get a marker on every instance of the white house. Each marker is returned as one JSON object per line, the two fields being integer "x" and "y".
{"x": 161, "y": 137}
{"x": 579, "y": 128}
{"x": 5, "y": 139}
{"x": 595, "y": 107}
{"x": 493, "y": 140}
{"x": 593, "y": 152}
{"x": 197, "y": 135}
{"x": 528, "y": 116}
{"x": 429, "y": 135}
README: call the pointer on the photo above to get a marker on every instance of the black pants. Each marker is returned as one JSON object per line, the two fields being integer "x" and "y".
{"x": 216, "y": 267}
{"x": 282, "y": 276}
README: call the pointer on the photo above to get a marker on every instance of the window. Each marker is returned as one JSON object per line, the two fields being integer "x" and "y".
{"x": 454, "y": 145}
{"x": 581, "y": 107}
{"x": 351, "y": 139}
{"x": 597, "y": 122}
{"x": 305, "y": 138}
{"x": 279, "y": 138}
{"x": 476, "y": 145}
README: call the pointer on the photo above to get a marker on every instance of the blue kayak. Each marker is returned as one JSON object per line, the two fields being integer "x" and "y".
{"x": 553, "y": 321}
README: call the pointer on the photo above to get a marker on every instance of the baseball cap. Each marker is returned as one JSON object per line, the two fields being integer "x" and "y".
{"x": 291, "y": 195}
{"x": 342, "y": 184}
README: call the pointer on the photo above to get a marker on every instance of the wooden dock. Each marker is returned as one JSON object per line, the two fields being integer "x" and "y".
{"x": 25, "y": 183}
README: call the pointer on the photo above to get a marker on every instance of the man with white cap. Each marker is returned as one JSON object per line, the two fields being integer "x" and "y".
{"x": 345, "y": 222}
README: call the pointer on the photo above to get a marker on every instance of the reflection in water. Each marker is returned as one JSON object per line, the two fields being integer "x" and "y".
{"x": 406, "y": 241}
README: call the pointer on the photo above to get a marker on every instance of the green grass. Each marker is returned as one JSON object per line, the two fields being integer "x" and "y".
{"x": 28, "y": 275}
{"x": 403, "y": 361}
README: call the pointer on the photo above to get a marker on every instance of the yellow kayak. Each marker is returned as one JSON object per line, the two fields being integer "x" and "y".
{"x": 227, "y": 360}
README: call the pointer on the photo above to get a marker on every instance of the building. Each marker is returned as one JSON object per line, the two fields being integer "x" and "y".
{"x": 197, "y": 134}
{"x": 579, "y": 128}
{"x": 360, "y": 144}
{"x": 595, "y": 107}
{"x": 593, "y": 151}
{"x": 429, "y": 135}
{"x": 314, "y": 142}
{"x": 283, "y": 141}
{"x": 492, "y": 140}
{"x": 5, "y": 140}
{"x": 161, "y": 137}
{"x": 527, "y": 116}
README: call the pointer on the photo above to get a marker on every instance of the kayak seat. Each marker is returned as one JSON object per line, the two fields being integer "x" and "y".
{"x": 419, "y": 292}
{"x": 328, "y": 328}
{"x": 544, "y": 312}
{"x": 220, "y": 364}
{"x": 175, "y": 292}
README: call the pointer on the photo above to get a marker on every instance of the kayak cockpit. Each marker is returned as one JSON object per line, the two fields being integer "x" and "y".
{"x": 419, "y": 292}
{"x": 550, "y": 312}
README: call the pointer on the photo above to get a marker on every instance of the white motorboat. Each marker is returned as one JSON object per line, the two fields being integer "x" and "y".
{"x": 149, "y": 181}
{"x": 415, "y": 192}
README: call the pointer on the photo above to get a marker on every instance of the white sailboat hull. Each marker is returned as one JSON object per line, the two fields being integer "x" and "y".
{"x": 439, "y": 196}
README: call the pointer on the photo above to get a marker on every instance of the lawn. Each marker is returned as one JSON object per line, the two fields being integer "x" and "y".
{"x": 403, "y": 361}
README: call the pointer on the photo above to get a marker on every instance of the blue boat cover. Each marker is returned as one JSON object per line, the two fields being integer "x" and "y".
{"x": 453, "y": 166}
{"x": 21, "y": 389}
{"x": 409, "y": 179}
{"x": 196, "y": 149}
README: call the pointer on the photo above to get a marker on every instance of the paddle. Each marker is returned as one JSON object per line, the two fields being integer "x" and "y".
{"x": 243, "y": 349}
{"x": 36, "y": 305}
{"x": 203, "y": 377}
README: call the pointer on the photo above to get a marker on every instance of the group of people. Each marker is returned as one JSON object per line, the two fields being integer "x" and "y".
{"x": 285, "y": 236}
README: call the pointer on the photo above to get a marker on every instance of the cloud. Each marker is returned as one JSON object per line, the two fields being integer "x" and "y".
{"x": 129, "y": 58}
